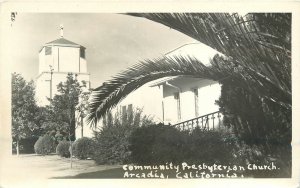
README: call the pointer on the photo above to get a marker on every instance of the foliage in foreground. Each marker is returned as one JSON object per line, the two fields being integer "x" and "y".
{"x": 26, "y": 145}
{"x": 112, "y": 142}
{"x": 44, "y": 145}
{"x": 255, "y": 66}
{"x": 62, "y": 149}
{"x": 161, "y": 144}
{"x": 261, "y": 124}
{"x": 61, "y": 111}
{"x": 158, "y": 144}
{"x": 24, "y": 110}
{"x": 83, "y": 148}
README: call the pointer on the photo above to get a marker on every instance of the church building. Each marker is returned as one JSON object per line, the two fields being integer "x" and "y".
{"x": 182, "y": 101}
{"x": 57, "y": 59}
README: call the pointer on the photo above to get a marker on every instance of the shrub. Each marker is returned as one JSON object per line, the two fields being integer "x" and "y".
{"x": 62, "y": 149}
{"x": 263, "y": 126}
{"x": 44, "y": 145}
{"x": 112, "y": 142}
{"x": 26, "y": 145}
{"x": 83, "y": 148}
{"x": 158, "y": 144}
{"x": 209, "y": 146}
{"x": 112, "y": 145}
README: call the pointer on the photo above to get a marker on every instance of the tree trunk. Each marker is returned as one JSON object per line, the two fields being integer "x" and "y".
{"x": 70, "y": 139}
{"x": 71, "y": 152}
{"x": 81, "y": 127}
{"x": 17, "y": 147}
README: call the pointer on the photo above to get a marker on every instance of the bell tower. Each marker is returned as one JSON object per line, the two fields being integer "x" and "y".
{"x": 56, "y": 59}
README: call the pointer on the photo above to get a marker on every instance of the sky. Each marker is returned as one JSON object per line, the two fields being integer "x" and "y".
{"x": 113, "y": 41}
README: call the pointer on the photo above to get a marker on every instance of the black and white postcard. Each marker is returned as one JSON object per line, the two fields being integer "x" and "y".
{"x": 167, "y": 93}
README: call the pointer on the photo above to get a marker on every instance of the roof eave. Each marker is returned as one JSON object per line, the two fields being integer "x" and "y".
{"x": 163, "y": 81}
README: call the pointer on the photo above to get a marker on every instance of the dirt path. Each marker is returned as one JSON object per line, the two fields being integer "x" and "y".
{"x": 35, "y": 167}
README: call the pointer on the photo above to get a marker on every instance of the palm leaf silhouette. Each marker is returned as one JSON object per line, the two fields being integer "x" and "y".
{"x": 256, "y": 49}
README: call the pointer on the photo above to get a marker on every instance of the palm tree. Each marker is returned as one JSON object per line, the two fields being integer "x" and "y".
{"x": 254, "y": 70}
{"x": 256, "y": 48}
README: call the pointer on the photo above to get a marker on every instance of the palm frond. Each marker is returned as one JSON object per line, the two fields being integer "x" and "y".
{"x": 257, "y": 49}
{"x": 260, "y": 41}
{"x": 112, "y": 92}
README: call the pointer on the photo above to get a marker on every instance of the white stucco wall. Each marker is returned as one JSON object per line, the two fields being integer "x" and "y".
{"x": 68, "y": 59}
{"x": 43, "y": 84}
{"x": 208, "y": 92}
{"x": 42, "y": 89}
{"x": 53, "y": 60}
{"x": 147, "y": 98}
{"x": 160, "y": 100}
{"x": 62, "y": 59}
{"x": 83, "y": 65}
